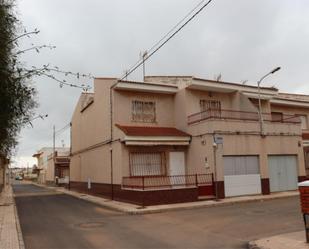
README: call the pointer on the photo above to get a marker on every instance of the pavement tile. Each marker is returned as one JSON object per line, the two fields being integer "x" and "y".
{"x": 10, "y": 237}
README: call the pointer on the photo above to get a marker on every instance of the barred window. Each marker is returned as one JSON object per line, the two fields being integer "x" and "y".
{"x": 304, "y": 121}
{"x": 146, "y": 164}
{"x": 144, "y": 111}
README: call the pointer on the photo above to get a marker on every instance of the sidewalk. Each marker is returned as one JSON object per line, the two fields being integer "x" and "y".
{"x": 294, "y": 240}
{"x": 135, "y": 209}
{"x": 10, "y": 233}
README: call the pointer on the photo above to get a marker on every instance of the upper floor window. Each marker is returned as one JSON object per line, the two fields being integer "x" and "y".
{"x": 304, "y": 121}
{"x": 144, "y": 111}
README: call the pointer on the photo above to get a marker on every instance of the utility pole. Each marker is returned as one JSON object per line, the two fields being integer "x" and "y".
{"x": 54, "y": 139}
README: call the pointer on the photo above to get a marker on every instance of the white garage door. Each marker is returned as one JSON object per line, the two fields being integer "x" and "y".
{"x": 241, "y": 175}
{"x": 282, "y": 173}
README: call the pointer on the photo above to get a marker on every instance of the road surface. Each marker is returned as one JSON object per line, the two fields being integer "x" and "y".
{"x": 53, "y": 220}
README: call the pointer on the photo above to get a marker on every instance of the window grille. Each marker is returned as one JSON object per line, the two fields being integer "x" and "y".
{"x": 146, "y": 164}
{"x": 144, "y": 111}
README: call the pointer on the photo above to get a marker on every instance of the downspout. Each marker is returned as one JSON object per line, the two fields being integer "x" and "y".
{"x": 111, "y": 138}
{"x": 69, "y": 186}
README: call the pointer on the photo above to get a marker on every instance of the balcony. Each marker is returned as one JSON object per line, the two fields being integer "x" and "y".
{"x": 144, "y": 183}
{"x": 241, "y": 116}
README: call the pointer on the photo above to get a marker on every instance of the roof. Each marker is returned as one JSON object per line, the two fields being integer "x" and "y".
{"x": 235, "y": 84}
{"x": 293, "y": 97}
{"x": 152, "y": 131}
{"x": 148, "y": 83}
{"x": 37, "y": 154}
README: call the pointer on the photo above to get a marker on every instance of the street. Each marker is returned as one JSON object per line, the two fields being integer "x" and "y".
{"x": 52, "y": 220}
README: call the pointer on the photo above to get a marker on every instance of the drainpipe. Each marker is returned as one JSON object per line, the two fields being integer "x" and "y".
{"x": 111, "y": 138}
{"x": 69, "y": 186}
{"x": 215, "y": 146}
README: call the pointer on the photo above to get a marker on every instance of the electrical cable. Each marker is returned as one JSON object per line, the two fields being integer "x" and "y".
{"x": 140, "y": 62}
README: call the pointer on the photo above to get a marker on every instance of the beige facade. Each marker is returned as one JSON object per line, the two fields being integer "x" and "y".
{"x": 122, "y": 121}
{"x": 46, "y": 163}
{"x": 4, "y": 162}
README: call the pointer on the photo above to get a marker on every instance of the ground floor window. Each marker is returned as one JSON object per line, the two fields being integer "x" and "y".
{"x": 147, "y": 164}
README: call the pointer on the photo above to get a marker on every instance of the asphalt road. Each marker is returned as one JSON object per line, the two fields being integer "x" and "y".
{"x": 52, "y": 220}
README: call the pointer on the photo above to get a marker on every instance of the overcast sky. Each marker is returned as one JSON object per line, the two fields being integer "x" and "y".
{"x": 240, "y": 39}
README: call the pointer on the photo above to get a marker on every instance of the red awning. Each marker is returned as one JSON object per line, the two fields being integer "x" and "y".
{"x": 152, "y": 131}
{"x": 305, "y": 136}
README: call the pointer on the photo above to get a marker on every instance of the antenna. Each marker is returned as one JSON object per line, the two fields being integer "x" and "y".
{"x": 126, "y": 73}
{"x": 144, "y": 56}
{"x": 218, "y": 77}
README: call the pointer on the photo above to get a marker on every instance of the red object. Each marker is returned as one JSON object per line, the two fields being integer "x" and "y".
{"x": 304, "y": 199}
{"x": 151, "y": 131}
{"x": 305, "y": 135}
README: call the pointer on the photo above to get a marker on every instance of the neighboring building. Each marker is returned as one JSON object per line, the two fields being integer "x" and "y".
{"x": 4, "y": 163}
{"x": 152, "y": 142}
{"x": 58, "y": 167}
{"x": 50, "y": 166}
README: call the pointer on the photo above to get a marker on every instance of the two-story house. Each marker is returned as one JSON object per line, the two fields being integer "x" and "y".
{"x": 52, "y": 165}
{"x": 177, "y": 139}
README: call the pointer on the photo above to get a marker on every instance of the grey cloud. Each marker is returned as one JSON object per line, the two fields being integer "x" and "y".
{"x": 241, "y": 39}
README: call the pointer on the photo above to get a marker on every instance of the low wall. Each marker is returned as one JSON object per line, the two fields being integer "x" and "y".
{"x": 152, "y": 197}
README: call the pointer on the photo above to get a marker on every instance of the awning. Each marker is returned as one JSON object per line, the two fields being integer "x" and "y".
{"x": 37, "y": 154}
{"x": 149, "y": 136}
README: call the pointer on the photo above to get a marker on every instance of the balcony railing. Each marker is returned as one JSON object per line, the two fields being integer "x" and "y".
{"x": 166, "y": 182}
{"x": 241, "y": 115}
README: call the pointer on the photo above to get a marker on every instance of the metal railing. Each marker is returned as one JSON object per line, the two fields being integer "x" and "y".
{"x": 241, "y": 115}
{"x": 166, "y": 182}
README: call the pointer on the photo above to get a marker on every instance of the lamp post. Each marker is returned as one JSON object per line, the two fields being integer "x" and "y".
{"x": 259, "y": 96}
{"x": 39, "y": 116}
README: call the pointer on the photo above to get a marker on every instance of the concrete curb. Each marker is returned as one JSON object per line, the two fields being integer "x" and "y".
{"x": 138, "y": 210}
{"x": 253, "y": 245}
{"x": 18, "y": 228}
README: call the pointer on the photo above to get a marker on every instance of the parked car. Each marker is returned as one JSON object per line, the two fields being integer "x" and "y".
{"x": 19, "y": 178}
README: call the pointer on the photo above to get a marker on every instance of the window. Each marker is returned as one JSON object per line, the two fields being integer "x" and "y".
{"x": 276, "y": 116}
{"x": 143, "y": 111}
{"x": 212, "y": 108}
{"x": 304, "y": 121}
{"x": 147, "y": 164}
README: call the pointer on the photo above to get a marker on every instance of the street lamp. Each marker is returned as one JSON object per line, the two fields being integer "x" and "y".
{"x": 259, "y": 96}
{"x": 39, "y": 116}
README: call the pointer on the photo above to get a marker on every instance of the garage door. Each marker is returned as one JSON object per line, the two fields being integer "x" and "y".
{"x": 282, "y": 173}
{"x": 241, "y": 175}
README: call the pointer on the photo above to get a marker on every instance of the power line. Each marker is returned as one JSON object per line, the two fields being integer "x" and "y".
{"x": 140, "y": 62}
{"x": 170, "y": 31}
{"x": 176, "y": 25}
{"x": 63, "y": 129}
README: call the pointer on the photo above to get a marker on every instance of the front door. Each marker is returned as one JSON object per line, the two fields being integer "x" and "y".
{"x": 177, "y": 168}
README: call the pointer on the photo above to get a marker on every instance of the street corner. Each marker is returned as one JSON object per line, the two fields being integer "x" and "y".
{"x": 295, "y": 240}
